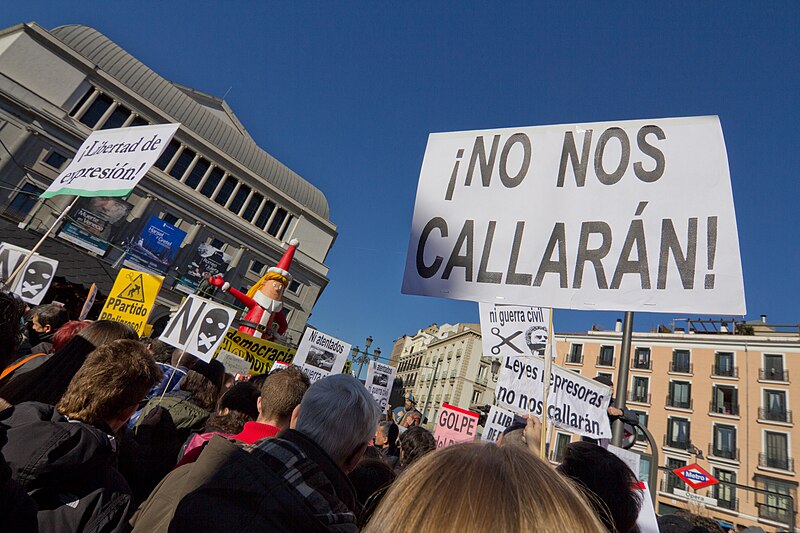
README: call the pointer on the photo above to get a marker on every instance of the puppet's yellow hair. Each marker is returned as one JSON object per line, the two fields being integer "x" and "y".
{"x": 265, "y": 278}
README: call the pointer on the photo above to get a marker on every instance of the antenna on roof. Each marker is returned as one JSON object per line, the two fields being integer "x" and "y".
{"x": 226, "y": 92}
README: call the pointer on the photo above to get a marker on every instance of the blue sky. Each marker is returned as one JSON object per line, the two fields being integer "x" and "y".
{"x": 346, "y": 93}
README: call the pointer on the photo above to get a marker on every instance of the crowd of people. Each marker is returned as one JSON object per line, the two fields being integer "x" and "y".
{"x": 101, "y": 431}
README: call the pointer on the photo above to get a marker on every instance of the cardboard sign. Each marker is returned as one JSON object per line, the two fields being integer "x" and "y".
{"x": 233, "y": 363}
{"x": 627, "y": 216}
{"x": 514, "y": 329}
{"x": 497, "y": 421}
{"x": 695, "y": 476}
{"x": 260, "y": 353}
{"x": 33, "y": 282}
{"x": 111, "y": 162}
{"x": 89, "y": 302}
{"x": 198, "y": 327}
{"x": 455, "y": 425}
{"x": 380, "y": 379}
{"x": 576, "y": 403}
{"x": 321, "y": 355}
{"x": 132, "y": 298}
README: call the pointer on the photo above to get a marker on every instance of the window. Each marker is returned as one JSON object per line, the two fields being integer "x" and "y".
{"x": 226, "y": 190}
{"x": 170, "y": 219}
{"x": 239, "y": 199}
{"x": 562, "y": 441}
{"x": 677, "y": 433}
{"x": 211, "y": 183}
{"x": 575, "y": 354}
{"x": 182, "y": 164}
{"x": 774, "y": 407}
{"x": 82, "y": 101}
{"x": 604, "y": 374}
{"x": 775, "y": 506}
{"x": 167, "y": 154}
{"x": 263, "y": 217}
{"x": 639, "y": 390}
{"x": 606, "y": 357}
{"x": 252, "y": 207}
{"x": 198, "y": 171}
{"x": 23, "y": 203}
{"x": 138, "y": 121}
{"x": 723, "y": 364}
{"x": 55, "y": 160}
{"x": 277, "y": 222}
{"x": 96, "y": 110}
{"x": 117, "y": 118}
{"x": 476, "y": 396}
{"x": 673, "y": 481}
{"x": 680, "y": 394}
{"x": 680, "y": 362}
{"x": 643, "y": 417}
{"x": 257, "y": 266}
{"x": 777, "y": 451}
{"x": 641, "y": 359}
{"x": 724, "y": 444}
{"x": 294, "y": 286}
{"x": 773, "y": 368}
{"x": 218, "y": 244}
{"x": 725, "y": 400}
{"x": 723, "y": 492}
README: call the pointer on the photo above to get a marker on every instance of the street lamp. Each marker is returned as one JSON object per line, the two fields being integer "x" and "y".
{"x": 360, "y": 357}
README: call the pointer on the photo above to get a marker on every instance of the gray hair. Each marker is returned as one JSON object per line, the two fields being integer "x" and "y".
{"x": 339, "y": 414}
{"x": 385, "y": 425}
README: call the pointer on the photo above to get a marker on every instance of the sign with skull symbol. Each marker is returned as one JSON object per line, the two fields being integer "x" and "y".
{"x": 198, "y": 327}
{"x": 32, "y": 283}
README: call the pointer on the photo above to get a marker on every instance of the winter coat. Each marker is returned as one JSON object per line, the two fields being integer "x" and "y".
{"x": 186, "y": 416}
{"x": 68, "y": 468}
{"x": 285, "y": 483}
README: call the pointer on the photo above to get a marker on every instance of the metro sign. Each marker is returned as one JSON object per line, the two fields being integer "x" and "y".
{"x": 695, "y": 476}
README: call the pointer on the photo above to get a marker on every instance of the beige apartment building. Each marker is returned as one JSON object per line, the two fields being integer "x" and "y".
{"x": 444, "y": 364}
{"x": 722, "y": 400}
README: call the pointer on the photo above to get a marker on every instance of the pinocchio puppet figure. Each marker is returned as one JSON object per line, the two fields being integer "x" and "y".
{"x": 264, "y": 300}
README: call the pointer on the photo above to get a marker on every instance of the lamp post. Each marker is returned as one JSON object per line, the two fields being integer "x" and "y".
{"x": 361, "y": 357}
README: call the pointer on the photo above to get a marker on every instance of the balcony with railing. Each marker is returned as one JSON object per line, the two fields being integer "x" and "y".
{"x": 676, "y": 443}
{"x": 605, "y": 360}
{"x": 680, "y": 403}
{"x": 728, "y": 503}
{"x": 680, "y": 367}
{"x": 671, "y": 482}
{"x": 575, "y": 358}
{"x": 481, "y": 380}
{"x": 779, "y": 462}
{"x": 775, "y": 415}
{"x": 773, "y": 374}
{"x": 725, "y": 371}
{"x": 723, "y": 452}
{"x": 642, "y": 365}
{"x": 723, "y": 408}
{"x": 639, "y": 396}
{"x": 774, "y": 512}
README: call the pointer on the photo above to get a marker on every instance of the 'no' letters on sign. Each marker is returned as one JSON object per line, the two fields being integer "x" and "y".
{"x": 630, "y": 216}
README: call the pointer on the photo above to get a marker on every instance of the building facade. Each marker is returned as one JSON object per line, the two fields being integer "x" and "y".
{"x": 212, "y": 182}
{"x": 724, "y": 401}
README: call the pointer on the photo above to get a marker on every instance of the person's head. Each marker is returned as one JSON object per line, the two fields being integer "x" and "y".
{"x": 102, "y": 332}
{"x": 409, "y": 402}
{"x": 110, "y": 384}
{"x": 48, "y": 318}
{"x": 513, "y": 438}
{"x": 339, "y": 415}
{"x": 181, "y": 358}
{"x": 204, "y": 383}
{"x": 414, "y": 443}
{"x": 66, "y": 332}
{"x": 242, "y": 397}
{"x": 370, "y": 478}
{"x": 281, "y": 393}
{"x": 386, "y": 435}
{"x": 608, "y": 478}
{"x": 480, "y": 487}
{"x": 162, "y": 352}
{"x": 11, "y": 312}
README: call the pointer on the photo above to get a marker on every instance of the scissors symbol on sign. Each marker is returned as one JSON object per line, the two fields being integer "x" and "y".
{"x": 504, "y": 341}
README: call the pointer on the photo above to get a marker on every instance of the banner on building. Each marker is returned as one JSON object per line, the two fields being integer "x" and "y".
{"x": 111, "y": 162}
{"x": 260, "y": 353}
{"x": 514, "y": 329}
{"x": 575, "y": 403}
{"x": 96, "y": 222}
{"x": 132, "y": 298}
{"x": 198, "y": 327}
{"x": 497, "y": 421}
{"x": 156, "y": 247}
{"x": 630, "y": 216}
{"x": 379, "y": 382}
{"x": 321, "y": 355}
{"x": 207, "y": 261}
{"x": 33, "y": 282}
{"x": 455, "y": 425}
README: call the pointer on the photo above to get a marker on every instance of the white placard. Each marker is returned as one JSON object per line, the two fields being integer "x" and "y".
{"x": 111, "y": 162}
{"x": 321, "y": 355}
{"x": 514, "y": 329}
{"x": 233, "y": 363}
{"x": 647, "y": 522}
{"x": 198, "y": 326}
{"x": 576, "y": 403}
{"x": 632, "y": 459}
{"x": 497, "y": 421}
{"x": 380, "y": 378}
{"x": 32, "y": 283}
{"x": 629, "y": 216}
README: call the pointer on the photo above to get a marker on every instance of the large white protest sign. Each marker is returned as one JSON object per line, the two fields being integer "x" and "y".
{"x": 496, "y": 423}
{"x": 631, "y": 216}
{"x": 111, "y": 162}
{"x": 380, "y": 379}
{"x": 32, "y": 283}
{"x": 575, "y": 403}
{"x": 198, "y": 327}
{"x": 514, "y": 329}
{"x": 454, "y": 425}
{"x": 321, "y": 355}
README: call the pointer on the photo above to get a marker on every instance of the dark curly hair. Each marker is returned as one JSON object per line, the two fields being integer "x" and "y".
{"x": 11, "y": 312}
{"x": 414, "y": 443}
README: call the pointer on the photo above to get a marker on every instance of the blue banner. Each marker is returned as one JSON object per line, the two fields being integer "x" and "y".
{"x": 156, "y": 247}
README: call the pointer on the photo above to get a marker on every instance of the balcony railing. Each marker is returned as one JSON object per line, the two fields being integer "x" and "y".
{"x": 672, "y": 443}
{"x": 732, "y": 504}
{"x": 605, "y": 361}
{"x": 639, "y": 397}
{"x": 481, "y": 380}
{"x": 681, "y": 404}
{"x": 681, "y": 368}
{"x": 724, "y": 408}
{"x": 725, "y": 371}
{"x": 642, "y": 365}
{"x": 774, "y": 415}
{"x": 575, "y": 358}
{"x": 772, "y": 374}
{"x": 774, "y": 512}
{"x": 781, "y": 463}
{"x": 723, "y": 453}
{"x": 671, "y": 482}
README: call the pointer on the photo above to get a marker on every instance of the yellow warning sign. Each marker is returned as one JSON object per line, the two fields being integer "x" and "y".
{"x": 132, "y": 298}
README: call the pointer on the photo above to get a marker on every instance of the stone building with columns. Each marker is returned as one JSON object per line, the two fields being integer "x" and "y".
{"x": 213, "y": 181}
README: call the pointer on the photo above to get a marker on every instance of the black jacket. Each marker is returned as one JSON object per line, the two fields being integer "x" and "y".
{"x": 68, "y": 469}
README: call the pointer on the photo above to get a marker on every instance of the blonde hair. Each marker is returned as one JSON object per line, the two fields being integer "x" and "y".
{"x": 481, "y": 487}
{"x": 265, "y": 278}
